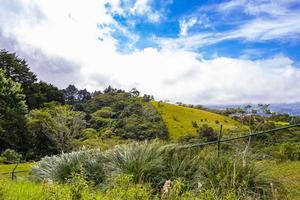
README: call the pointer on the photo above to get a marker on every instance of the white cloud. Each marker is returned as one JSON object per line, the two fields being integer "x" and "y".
{"x": 128, "y": 8}
{"x": 185, "y": 24}
{"x": 283, "y": 28}
{"x": 71, "y": 29}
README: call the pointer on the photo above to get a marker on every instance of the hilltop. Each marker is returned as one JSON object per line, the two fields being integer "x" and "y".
{"x": 179, "y": 120}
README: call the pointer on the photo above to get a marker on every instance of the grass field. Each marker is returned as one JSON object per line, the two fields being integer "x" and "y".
{"x": 288, "y": 173}
{"x": 9, "y": 168}
{"x": 178, "y": 120}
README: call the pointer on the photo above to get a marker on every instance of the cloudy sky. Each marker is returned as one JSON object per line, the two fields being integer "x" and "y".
{"x": 202, "y": 52}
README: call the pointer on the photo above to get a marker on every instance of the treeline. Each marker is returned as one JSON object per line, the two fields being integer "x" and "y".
{"x": 38, "y": 119}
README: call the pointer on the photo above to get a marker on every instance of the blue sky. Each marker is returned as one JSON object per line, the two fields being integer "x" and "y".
{"x": 202, "y": 52}
{"x": 217, "y": 17}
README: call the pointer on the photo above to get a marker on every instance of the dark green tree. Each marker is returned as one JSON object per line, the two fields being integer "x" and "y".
{"x": 17, "y": 69}
{"x": 12, "y": 115}
{"x": 71, "y": 94}
{"x": 36, "y": 94}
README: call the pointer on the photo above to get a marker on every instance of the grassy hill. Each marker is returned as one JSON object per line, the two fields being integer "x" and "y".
{"x": 178, "y": 120}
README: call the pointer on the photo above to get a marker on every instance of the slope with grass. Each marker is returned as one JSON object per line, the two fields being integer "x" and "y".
{"x": 4, "y": 168}
{"x": 178, "y": 120}
{"x": 289, "y": 175}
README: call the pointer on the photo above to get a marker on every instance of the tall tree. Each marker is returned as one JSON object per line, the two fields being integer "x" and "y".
{"x": 12, "y": 114}
{"x": 45, "y": 92}
{"x": 36, "y": 94}
{"x": 71, "y": 94}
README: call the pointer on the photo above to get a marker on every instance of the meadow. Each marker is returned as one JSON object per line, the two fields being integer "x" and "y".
{"x": 178, "y": 120}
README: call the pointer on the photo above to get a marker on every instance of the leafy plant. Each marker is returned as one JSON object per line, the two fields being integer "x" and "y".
{"x": 11, "y": 156}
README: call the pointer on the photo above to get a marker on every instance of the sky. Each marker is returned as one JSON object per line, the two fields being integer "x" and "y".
{"x": 199, "y": 52}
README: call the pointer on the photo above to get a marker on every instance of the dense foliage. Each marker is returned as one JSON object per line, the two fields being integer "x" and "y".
{"x": 36, "y": 93}
{"x": 155, "y": 164}
{"x": 38, "y": 119}
{"x": 125, "y": 115}
{"x": 53, "y": 128}
{"x": 12, "y": 111}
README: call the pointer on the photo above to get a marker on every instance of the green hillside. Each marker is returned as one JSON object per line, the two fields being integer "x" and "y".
{"x": 178, "y": 120}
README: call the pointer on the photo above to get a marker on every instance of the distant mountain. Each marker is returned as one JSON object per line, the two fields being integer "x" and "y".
{"x": 282, "y": 108}
{"x": 290, "y": 108}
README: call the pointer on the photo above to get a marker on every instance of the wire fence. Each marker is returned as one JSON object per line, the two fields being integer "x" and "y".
{"x": 218, "y": 142}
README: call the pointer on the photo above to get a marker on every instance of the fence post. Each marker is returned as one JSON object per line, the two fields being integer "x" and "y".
{"x": 13, "y": 176}
{"x": 219, "y": 139}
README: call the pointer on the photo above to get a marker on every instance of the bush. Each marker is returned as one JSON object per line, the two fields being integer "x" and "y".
{"x": 207, "y": 132}
{"x": 143, "y": 161}
{"x": 2, "y": 159}
{"x": 194, "y": 124}
{"x": 62, "y": 168}
{"x": 11, "y": 156}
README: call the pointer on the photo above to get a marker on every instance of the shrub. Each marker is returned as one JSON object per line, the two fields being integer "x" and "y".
{"x": 11, "y": 156}
{"x": 61, "y": 168}
{"x": 141, "y": 160}
{"x": 194, "y": 124}
{"x": 2, "y": 159}
{"x": 207, "y": 132}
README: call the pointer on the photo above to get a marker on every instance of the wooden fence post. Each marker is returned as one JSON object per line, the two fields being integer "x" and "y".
{"x": 219, "y": 139}
{"x": 13, "y": 176}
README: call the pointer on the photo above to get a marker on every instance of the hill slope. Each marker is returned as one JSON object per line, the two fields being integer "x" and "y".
{"x": 178, "y": 120}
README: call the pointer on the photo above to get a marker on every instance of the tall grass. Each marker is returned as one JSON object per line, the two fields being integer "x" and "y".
{"x": 144, "y": 161}
{"x": 230, "y": 174}
{"x": 154, "y": 163}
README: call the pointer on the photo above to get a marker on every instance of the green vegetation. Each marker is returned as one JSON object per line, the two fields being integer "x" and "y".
{"x": 153, "y": 164}
{"x": 9, "y": 168}
{"x": 12, "y": 111}
{"x": 53, "y": 128}
{"x": 115, "y": 144}
{"x": 179, "y": 120}
{"x": 288, "y": 173}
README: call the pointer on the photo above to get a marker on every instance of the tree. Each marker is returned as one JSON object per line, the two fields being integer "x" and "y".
{"x": 134, "y": 92}
{"x": 36, "y": 94}
{"x": 18, "y": 70}
{"x": 54, "y": 127}
{"x": 12, "y": 114}
{"x": 84, "y": 95}
{"x": 71, "y": 94}
{"x": 43, "y": 93}
{"x": 76, "y": 97}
